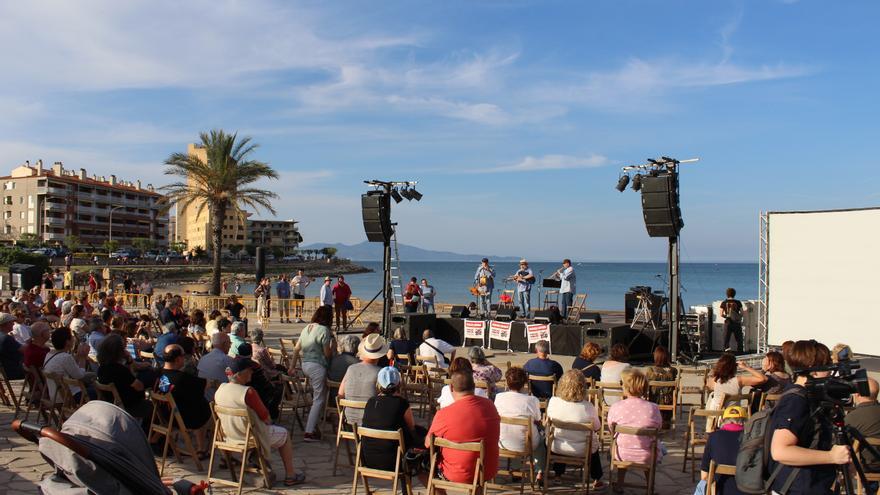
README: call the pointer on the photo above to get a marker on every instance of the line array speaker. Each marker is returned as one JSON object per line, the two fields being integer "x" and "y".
{"x": 660, "y": 205}
{"x": 376, "y": 207}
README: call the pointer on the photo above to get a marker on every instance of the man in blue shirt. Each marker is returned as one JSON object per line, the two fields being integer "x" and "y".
{"x": 11, "y": 356}
{"x": 282, "y": 289}
{"x": 524, "y": 279}
{"x": 428, "y": 293}
{"x": 484, "y": 280}
{"x": 567, "y": 289}
{"x": 542, "y": 365}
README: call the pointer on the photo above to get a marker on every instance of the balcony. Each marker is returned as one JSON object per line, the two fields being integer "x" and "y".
{"x": 60, "y": 222}
{"x": 52, "y": 236}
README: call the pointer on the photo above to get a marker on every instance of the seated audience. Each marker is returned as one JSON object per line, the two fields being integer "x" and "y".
{"x": 722, "y": 447}
{"x": 111, "y": 355}
{"x": 484, "y": 371}
{"x": 636, "y": 412}
{"x": 402, "y": 347}
{"x": 389, "y": 411}
{"x": 37, "y": 347}
{"x": 585, "y": 362}
{"x": 724, "y": 382}
{"x": 238, "y": 395}
{"x": 170, "y": 335}
{"x": 614, "y": 366}
{"x": 773, "y": 367}
{"x": 189, "y": 395}
{"x": 11, "y": 357}
{"x": 237, "y": 334}
{"x": 190, "y": 363}
{"x": 463, "y": 365}
{"x": 662, "y": 371}
{"x": 570, "y": 405}
{"x": 865, "y": 418}
{"x": 542, "y": 365}
{"x": 515, "y": 403}
{"x": 98, "y": 333}
{"x": 339, "y": 363}
{"x": 468, "y": 419}
{"x": 21, "y": 328}
{"x": 270, "y": 392}
{"x": 213, "y": 365}
{"x": 432, "y": 346}
{"x": 359, "y": 382}
{"x": 60, "y": 361}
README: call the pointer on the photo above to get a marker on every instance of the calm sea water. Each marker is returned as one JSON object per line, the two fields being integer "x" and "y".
{"x": 605, "y": 283}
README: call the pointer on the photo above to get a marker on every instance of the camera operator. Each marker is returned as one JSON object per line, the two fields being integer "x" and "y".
{"x": 866, "y": 419}
{"x": 801, "y": 443}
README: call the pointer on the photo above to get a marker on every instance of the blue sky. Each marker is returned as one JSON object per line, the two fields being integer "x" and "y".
{"x": 514, "y": 116}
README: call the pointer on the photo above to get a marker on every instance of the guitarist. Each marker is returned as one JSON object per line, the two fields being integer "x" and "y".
{"x": 732, "y": 312}
{"x": 484, "y": 280}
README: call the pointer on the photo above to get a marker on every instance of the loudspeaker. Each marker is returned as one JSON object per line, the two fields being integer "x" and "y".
{"x": 606, "y": 335}
{"x": 261, "y": 263}
{"x": 505, "y": 314}
{"x": 542, "y": 316}
{"x": 414, "y": 324}
{"x": 660, "y": 205}
{"x": 589, "y": 318}
{"x": 376, "y": 209}
{"x": 459, "y": 312}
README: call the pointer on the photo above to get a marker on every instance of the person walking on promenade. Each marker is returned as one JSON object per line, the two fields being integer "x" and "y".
{"x": 484, "y": 280}
{"x": 342, "y": 300}
{"x": 298, "y": 285}
{"x": 524, "y": 279}
{"x": 428, "y": 295}
{"x": 282, "y": 289}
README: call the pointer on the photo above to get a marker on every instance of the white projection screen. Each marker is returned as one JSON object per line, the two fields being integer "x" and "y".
{"x": 824, "y": 278}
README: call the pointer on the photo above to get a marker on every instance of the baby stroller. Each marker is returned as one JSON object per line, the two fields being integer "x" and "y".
{"x": 100, "y": 449}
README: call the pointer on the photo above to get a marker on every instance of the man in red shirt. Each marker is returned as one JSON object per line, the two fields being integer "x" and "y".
{"x": 341, "y": 299}
{"x": 469, "y": 419}
{"x": 36, "y": 349}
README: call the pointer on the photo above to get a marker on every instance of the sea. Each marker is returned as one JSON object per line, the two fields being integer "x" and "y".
{"x": 604, "y": 283}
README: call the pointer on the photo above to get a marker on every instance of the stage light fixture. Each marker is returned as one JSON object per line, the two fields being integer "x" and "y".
{"x": 637, "y": 182}
{"x": 406, "y": 194}
{"x": 396, "y": 195}
{"x": 415, "y": 194}
{"x": 622, "y": 182}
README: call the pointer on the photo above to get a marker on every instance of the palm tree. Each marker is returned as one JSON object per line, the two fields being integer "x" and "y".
{"x": 221, "y": 183}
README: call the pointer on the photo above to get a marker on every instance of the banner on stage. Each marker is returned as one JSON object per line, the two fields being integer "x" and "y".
{"x": 500, "y": 330}
{"x": 474, "y": 329}
{"x": 538, "y": 331}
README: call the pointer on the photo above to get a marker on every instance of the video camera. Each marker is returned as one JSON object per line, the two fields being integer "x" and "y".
{"x": 845, "y": 379}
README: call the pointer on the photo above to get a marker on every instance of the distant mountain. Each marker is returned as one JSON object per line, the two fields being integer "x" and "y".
{"x": 372, "y": 251}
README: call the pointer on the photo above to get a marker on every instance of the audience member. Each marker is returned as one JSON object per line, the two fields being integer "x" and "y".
{"x": 339, "y": 363}
{"x": 189, "y": 395}
{"x": 314, "y": 345}
{"x": 614, "y": 366}
{"x": 212, "y": 366}
{"x": 190, "y": 363}
{"x": 432, "y": 346}
{"x": 585, "y": 362}
{"x": 270, "y": 392}
{"x": 542, "y": 365}
{"x": 514, "y": 403}
{"x": 21, "y": 328}
{"x": 11, "y": 357}
{"x": 468, "y": 419}
{"x": 722, "y": 447}
{"x": 463, "y": 365}
{"x": 662, "y": 371}
{"x": 484, "y": 371}
{"x": 98, "y": 332}
{"x": 111, "y": 355}
{"x": 773, "y": 367}
{"x": 238, "y": 395}
{"x": 724, "y": 382}
{"x": 389, "y": 411}
{"x": 237, "y": 335}
{"x": 401, "y": 346}
{"x": 61, "y": 362}
{"x": 35, "y": 350}
{"x": 359, "y": 382}
{"x": 865, "y": 418}
{"x": 169, "y": 336}
{"x": 634, "y": 411}
{"x": 570, "y": 405}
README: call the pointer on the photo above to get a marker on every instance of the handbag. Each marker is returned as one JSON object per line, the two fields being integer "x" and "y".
{"x": 348, "y": 305}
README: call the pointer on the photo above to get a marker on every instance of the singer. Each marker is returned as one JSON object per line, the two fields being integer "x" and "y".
{"x": 524, "y": 279}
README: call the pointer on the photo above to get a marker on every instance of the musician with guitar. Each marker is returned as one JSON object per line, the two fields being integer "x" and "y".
{"x": 524, "y": 279}
{"x": 484, "y": 281}
{"x": 732, "y": 312}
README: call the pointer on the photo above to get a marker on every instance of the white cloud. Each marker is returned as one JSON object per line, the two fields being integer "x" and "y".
{"x": 548, "y": 162}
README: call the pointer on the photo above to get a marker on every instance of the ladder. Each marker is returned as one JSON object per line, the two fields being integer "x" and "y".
{"x": 396, "y": 277}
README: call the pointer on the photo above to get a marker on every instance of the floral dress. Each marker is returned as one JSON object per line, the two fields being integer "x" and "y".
{"x": 488, "y": 373}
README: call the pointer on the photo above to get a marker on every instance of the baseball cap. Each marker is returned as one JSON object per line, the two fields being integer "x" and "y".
{"x": 388, "y": 377}
{"x": 735, "y": 412}
{"x": 245, "y": 350}
{"x": 240, "y": 364}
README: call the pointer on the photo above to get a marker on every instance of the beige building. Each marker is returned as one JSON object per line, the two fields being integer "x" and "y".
{"x": 273, "y": 234}
{"x": 54, "y": 203}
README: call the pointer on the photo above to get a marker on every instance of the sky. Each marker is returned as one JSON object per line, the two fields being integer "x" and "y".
{"x": 515, "y": 117}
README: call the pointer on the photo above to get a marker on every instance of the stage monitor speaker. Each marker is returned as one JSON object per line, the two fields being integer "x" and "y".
{"x": 660, "y": 205}
{"x": 542, "y": 316}
{"x": 459, "y": 312}
{"x": 589, "y": 318}
{"x": 505, "y": 314}
{"x": 606, "y": 335}
{"x": 414, "y": 324}
{"x": 260, "y": 261}
{"x": 376, "y": 209}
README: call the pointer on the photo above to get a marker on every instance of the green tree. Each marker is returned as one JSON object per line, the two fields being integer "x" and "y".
{"x": 198, "y": 252}
{"x": 143, "y": 244}
{"x": 28, "y": 240}
{"x": 111, "y": 246}
{"x": 278, "y": 253}
{"x": 177, "y": 247}
{"x": 72, "y": 243}
{"x": 223, "y": 182}
{"x": 329, "y": 252}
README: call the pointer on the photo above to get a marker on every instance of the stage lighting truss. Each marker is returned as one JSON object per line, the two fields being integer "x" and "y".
{"x": 653, "y": 167}
{"x": 399, "y": 190}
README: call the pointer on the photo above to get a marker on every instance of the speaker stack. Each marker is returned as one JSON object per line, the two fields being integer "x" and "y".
{"x": 660, "y": 205}
{"x": 376, "y": 207}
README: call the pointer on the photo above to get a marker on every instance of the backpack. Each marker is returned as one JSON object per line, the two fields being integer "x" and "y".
{"x": 753, "y": 458}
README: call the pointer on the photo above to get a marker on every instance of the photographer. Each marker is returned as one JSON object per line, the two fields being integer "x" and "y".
{"x": 866, "y": 419}
{"x": 800, "y": 443}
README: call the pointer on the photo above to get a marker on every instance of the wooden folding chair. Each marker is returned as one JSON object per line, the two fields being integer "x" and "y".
{"x": 581, "y": 462}
{"x": 330, "y": 404}
{"x": 296, "y": 398}
{"x": 39, "y": 397}
{"x": 7, "y": 394}
{"x": 870, "y": 477}
{"x": 345, "y": 432}
{"x": 768, "y": 400}
{"x": 606, "y": 390}
{"x": 29, "y": 392}
{"x": 108, "y": 393}
{"x": 68, "y": 403}
{"x": 167, "y": 421}
{"x": 525, "y": 456}
{"x": 250, "y": 443}
{"x": 649, "y": 467}
{"x": 363, "y": 473}
{"x": 278, "y": 356}
{"x": 695, "y": 436}
{"x": 546, "y": 379}
{"x": 472, "y": 488}
{"x": 716, "y": 469}
{"x": 691, "y": 374}
{"x": 577, "y": 307}
{"x": 737, "y": 400}
{"x": 656, "y": 388}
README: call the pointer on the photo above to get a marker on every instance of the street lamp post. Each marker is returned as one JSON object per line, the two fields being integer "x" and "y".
{"x": 110, "y": 236}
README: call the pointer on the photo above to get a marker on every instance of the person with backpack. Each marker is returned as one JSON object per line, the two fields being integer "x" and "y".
{"x": 722, "y": 447}
{"x": 787, "y": 449}
{"x": 732, "y": 312}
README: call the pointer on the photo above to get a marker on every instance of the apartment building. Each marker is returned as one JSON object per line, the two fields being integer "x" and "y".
{"x": 273, "y": 234}
{"x": 54, "y": 203}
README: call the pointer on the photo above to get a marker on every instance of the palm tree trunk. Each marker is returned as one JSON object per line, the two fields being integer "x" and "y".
{"x": 218, "y": 217}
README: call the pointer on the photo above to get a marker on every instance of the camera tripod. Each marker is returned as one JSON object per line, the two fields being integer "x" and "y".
{"x": 842, "y": 434}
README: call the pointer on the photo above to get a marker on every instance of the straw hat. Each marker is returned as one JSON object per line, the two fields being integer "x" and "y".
{"x": 373, "y": 346}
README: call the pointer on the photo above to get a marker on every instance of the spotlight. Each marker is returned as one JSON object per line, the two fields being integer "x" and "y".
{"x": 406, "y": 194}
{"x": 622, "y": 182}
{"x": 396, "y": 195}
{"x": 415, "y": 194}
{"x": 637, "y": 182}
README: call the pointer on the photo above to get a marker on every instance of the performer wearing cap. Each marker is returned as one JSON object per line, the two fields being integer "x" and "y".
{"x": 722, "y": 447}
{"x": 484, "y": 280}
{"x": 524, "y": 279}
{"x": 327, "y": 292}
{"x": 238, "y": 395}
{"x": 567, "y": 290}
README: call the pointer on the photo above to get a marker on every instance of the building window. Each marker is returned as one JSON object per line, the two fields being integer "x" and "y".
{"x": 21, "y": 215}
{"x": 8, "y": 186}
{"x": 7, "y": 229}
{"x": 7, "y": 214}
{"x": 7, "y": 200}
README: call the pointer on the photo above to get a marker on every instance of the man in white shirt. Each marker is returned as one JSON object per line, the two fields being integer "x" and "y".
{"x": 567, "y": 290}
{"x": 212, "y": 366}
{"x": 298, "y": 284}
{"x": 432, "y": 346}
{"x": 327, "y": 293}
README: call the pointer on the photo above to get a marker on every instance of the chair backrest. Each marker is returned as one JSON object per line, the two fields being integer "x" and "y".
{"x": 395, "y": 436}
{"x": 108, "y": 390}
{"x": 344, "y": 404}
{"x": 426, "y": 359}
{"x": 442, "y": 443}
{"x": 711, "y": 416}
{"x": 716, "y": 469}
{"x": 546, "y": 379}
{"x": 250, "y": 440}
{"x": 526, "y": 424}
{"x": 652, "y": 433}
